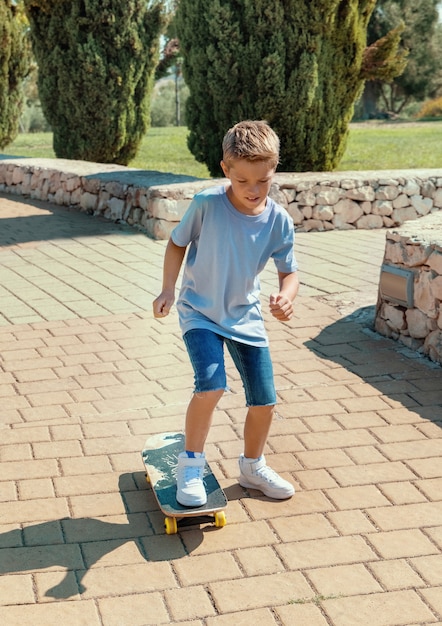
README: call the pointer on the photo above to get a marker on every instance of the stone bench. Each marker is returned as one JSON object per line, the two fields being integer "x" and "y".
{"x": 410, "y": 287}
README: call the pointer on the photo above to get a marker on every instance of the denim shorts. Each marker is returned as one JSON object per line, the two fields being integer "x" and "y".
{"x": 206, "y": 352}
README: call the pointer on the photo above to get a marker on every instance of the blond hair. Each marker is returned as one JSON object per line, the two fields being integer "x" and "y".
{"x": 253, "y": 141}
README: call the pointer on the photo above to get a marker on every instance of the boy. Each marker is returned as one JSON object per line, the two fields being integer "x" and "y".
{"x": 231, "y": 232}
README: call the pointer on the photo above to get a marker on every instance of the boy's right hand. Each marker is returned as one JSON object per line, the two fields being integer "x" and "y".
{"x": 163, "y": 304}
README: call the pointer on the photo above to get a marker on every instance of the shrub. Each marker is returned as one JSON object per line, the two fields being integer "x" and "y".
{"x": 431, "y": 108}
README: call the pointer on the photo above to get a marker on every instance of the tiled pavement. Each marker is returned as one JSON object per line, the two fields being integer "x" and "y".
{"x": 86, "y": 374}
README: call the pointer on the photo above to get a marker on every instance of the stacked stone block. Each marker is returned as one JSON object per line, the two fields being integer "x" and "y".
{"x": 155, "y": 202}
{"x": 417, "y": 246}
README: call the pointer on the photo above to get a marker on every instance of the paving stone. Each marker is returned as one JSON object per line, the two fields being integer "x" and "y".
{"x": 83, "y": 613}
{"x": 403, "y": 432}
{"x": 363, "y": 497}
{"x": 434, "y": 598}
{"x": 436, "y": 534}
{"x": 79, "y": 485}
{"x": 304, "y": 613}
{"x": 407, "y": 516}
{"x": 353, "y": 522}
{"x": 393, "y": 608}
{"x": 189, "y": 603}
{"x": 56, "y": 586}
{"x": 258, "y": 561}
{"x": 127, "y": 579}
{"x": 315, "y": 479}
{"x": 8, "y": 491}
{"x": 302, "y": 503}
{"x": 35, "y": 488}
{"x": 430, "y": 568}
{"x": 401, "y": 543}
{"x": 324, "y": 459}
{"x": 412, "y": 449}
{"x": 236, "y": 536}
{"x": 402, "y": 493}
{"x": 373, "y": 473}
{"x": 364, "y": 455}
{"x": 96, "y": 504}
{"x": 345, "y": 580}
{"x": 43, "y": 509}
{"x": 147, "y": 609}
{"x": 57, "y": 449}
{"x": 325, "y": 552}
{"x": 202, "y": 570}
{"x": 105, "y": 528}
{"x": 362, "y": 419}
{"x": 303, "y": 527}
{"x": 89, "y": 465}
{"x": 16, "y": 589}
{"x": 396, "y": 574}
{"x": 426, "y": 468}
{"x": 431, "y": 487}
{"x": 341, "y": 439}
{"x": 259, "y": 591}
{"x": 321, "y": 423}
{"x": 400, "y": 415}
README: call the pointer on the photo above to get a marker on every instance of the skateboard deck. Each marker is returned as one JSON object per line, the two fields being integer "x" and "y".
{"x": 160, "y": 458}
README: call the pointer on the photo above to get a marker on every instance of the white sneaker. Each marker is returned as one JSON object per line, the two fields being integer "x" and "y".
{"x": 256, "y": 474}
{"x": 190, "y": 485}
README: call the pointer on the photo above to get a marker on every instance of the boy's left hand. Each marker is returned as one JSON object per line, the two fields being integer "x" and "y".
{"x": 281, "y": 307}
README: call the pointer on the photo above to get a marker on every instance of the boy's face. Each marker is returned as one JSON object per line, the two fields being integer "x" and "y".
{"x": 250, "y": 184}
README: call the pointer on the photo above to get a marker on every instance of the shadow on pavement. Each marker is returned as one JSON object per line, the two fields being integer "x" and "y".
{"x": 49, "y": 221}
{"x": 77, "y": 544}
{"x": 403, "y": 375}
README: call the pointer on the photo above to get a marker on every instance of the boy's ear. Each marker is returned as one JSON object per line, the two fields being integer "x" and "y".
{"x": 225, "y": 169}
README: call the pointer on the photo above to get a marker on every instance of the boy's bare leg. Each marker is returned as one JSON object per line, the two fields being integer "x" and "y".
{"x": 256, "y": 430}
{"x": 199, "y": 418}
{"x": 254, "y": 471}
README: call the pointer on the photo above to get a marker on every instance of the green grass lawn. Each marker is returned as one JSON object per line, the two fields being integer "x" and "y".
{"x": 393, "y": 146}
{"x": 379, "y": 146}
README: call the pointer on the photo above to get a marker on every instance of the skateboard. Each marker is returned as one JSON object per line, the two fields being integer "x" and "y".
{"x": 160, "y": 458}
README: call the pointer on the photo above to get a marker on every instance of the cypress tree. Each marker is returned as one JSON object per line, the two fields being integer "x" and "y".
{"x": 96, "y": 62}
{"x": 295, "y": 63}
{"x": 14, "y": 66}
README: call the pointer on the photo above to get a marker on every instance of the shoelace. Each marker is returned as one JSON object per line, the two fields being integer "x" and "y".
{"x": 268, "y": 474}
{"x": 193, "y": 472}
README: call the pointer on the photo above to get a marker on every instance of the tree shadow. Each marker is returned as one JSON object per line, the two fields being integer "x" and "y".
{"x": 406, "y": 377}
{"x": 48, "y": 221}
{"x": 76, "y": 544}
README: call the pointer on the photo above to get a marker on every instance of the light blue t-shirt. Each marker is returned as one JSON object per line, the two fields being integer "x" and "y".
{"x": 227, "y": 250}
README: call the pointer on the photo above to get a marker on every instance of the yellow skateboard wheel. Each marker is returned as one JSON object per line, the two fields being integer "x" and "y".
{"x": 171, "y": 525}
{"x": 220, "y": 519}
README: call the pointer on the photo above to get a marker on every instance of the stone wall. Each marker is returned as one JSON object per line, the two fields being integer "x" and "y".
{"x": 156, "y": 202}
{"x": 416, "y": 248}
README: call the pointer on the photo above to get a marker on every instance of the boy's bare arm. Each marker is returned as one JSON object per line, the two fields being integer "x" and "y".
{"x": 173, "y": 260}
{"x": 281, "y": 304}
